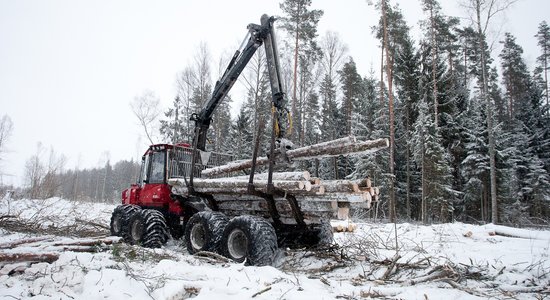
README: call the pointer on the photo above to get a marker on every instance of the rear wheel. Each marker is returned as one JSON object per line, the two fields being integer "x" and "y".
{"x": 120, "y": 217}
{"x": 203, "y": 231}
{"x": 250, "y": 238}
{"x": 147, "y": 228}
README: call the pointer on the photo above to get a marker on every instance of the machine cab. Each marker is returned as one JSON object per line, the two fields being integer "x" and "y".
{"x": 151, "y": 189}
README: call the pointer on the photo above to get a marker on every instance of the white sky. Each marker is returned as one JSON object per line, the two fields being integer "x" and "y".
{"x": 70, "y": 68}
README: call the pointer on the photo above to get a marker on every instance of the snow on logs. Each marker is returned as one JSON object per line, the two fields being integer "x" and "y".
{"x": 343, "y": 146}
{"x": 299, "y": 184}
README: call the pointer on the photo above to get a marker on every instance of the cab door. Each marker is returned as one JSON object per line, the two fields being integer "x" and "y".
{"x": 155, "y": 191}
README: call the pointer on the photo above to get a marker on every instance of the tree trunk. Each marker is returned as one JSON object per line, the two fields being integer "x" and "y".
{"x": 489, "y": 113}
{"x": 389, "y": 75}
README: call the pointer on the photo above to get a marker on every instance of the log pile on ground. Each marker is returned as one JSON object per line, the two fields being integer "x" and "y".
{"x": 18, "y": 255}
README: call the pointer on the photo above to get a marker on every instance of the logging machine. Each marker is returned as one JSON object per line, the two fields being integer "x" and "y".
{"x": 239, "y": 217}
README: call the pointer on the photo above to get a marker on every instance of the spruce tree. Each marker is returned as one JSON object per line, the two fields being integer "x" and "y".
{"x": 429, "y": 154}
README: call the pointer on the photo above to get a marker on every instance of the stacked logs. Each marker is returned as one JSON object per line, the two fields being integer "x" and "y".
{"x": 295, "y": 183}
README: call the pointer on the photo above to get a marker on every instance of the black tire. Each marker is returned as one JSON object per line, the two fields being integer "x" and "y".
{"x": 250, "y": 238}
{"x": 325, "y": 234}
{"x": 120, "y": 217}
{"x": 147, "y": 228}
{"x": 203, "y": 231}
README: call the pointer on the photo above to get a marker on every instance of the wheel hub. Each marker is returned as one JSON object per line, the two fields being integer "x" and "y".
{"x": 137, "y": 229}
{"x": 116, "y": 224}
{"x": 237, "y": 244}
{"x": 197, "y": 237}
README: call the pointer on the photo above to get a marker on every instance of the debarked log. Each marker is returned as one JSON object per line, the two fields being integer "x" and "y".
{"x": 232, "y": 185}
{"x": 300, "y": 176}
{"x": 344, "y": 146}
{"x": 340, "y": 186}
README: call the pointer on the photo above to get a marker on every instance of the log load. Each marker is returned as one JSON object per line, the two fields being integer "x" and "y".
{"x": 344, "y": 146}
{"x": 317, "y": 199}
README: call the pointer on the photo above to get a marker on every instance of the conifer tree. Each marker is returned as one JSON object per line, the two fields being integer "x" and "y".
{"x": 301, "y": 23}
{"x": 543, "y": 39}
{"x": 437, "y": 190}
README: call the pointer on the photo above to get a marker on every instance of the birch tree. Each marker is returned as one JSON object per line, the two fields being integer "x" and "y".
{"x": 146, "y": 109}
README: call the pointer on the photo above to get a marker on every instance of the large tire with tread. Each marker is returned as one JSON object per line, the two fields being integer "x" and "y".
{"x": 250, "y": 238}
{"x": 119, "y": 218}
{"x": 147, "y": 228}
{"x": 203, "y": 231}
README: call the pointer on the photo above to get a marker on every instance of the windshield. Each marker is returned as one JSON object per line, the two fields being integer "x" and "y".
{"x": 157, "y": 165}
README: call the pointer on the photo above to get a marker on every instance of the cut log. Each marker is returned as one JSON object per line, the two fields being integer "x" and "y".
{"x": 337, "y": 149}
{"x": 231, "y": 185}
{"x": 30, "y": 257}
{"x": 14, "y": 244}
{"x": 369, "y": 190}
{"x": 300, "y": 176}
{"x": 340, "y": 186}
{"x": 338, "y": 197}
{"x": 364, "y": 183}
{"x": 315, "y": 180}
{"x": 344, "y": 146}
{"x": 323, "y": 149}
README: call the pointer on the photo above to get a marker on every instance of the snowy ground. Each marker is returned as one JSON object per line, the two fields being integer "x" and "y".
{"x": 451, "y": 261}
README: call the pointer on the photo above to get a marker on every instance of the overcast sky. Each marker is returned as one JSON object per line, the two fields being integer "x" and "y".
{"x": 69, "y": 69}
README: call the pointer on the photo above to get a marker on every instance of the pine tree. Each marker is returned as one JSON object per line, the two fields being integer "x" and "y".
{"x": 515, "y": 77}
{"x": 543, "y": 38}
{"x": 301, "y": 23}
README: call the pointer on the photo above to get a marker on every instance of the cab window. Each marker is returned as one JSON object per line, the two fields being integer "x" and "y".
{"x": 157, "y": 164}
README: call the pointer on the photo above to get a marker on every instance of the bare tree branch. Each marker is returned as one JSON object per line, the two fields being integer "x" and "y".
{"x": 146, "y": 109}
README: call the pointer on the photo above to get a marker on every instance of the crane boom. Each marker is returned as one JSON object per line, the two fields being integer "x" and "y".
{"x": 258, "y": 35}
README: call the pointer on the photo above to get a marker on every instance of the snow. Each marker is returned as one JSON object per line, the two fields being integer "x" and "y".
{"x": 493, "y": 262}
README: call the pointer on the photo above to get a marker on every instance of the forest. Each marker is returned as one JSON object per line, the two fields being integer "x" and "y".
{"x": 469, "y": 128}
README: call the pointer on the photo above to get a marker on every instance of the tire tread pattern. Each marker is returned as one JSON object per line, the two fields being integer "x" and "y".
{"x": 124, "y": 211}
{"x": 214, "y": 223}
{"x": 262, "y": 239}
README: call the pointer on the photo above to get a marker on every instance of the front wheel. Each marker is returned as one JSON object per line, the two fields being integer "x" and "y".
{"x": 147, "y": 228}
{"x": 120, "y": 217}
{"x": 250, "y": 238}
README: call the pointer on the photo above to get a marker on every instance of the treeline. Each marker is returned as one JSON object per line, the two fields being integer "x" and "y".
{"x": 468, "y": 143}
{"x": 99, "y": 184}
{"x": 46, "y": 177}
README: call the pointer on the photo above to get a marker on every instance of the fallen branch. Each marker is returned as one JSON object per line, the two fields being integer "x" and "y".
{"x": 262, "y": 291}
{"x": 389, "y": 271}
{"x": 87, "y": 222}
{"x": 212, "y": 256}
{"x": 457, "y": 286}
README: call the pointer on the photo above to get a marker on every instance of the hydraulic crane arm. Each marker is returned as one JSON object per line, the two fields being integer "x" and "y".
{"x": 257, "y": 35}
